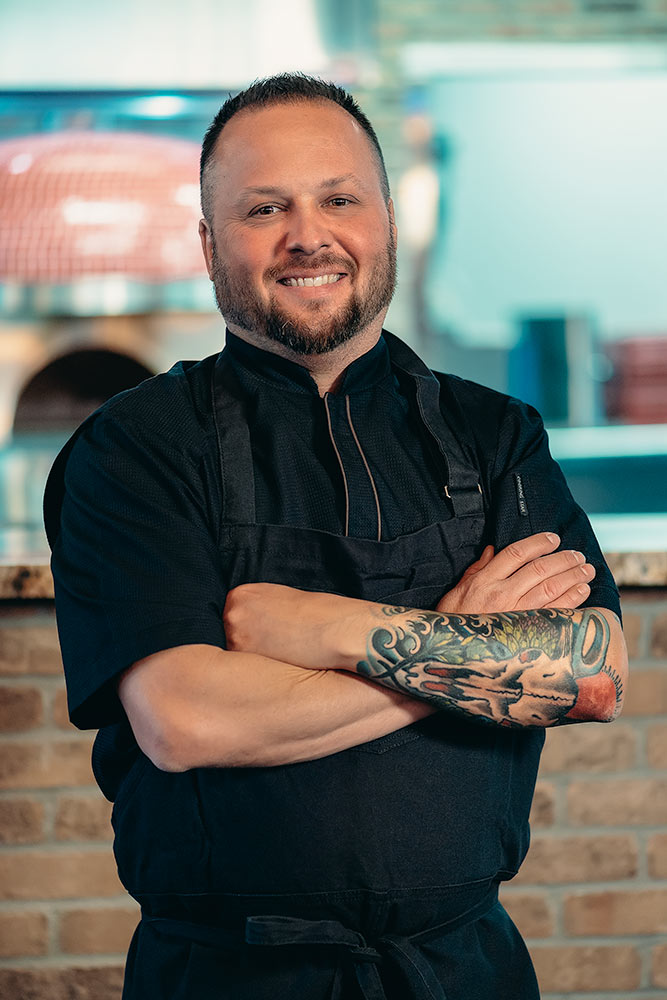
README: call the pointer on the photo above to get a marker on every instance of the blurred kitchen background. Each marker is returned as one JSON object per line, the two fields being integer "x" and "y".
{"x": 526, "y": 143}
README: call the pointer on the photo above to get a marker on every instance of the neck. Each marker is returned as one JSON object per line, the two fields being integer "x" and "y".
{"x": 326, "y": 370}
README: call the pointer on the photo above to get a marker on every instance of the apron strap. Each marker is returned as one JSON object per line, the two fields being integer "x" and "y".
{"x": 233, "y": 435}
{"x": 356, "y": 955}
{"x": 463, "y": 487}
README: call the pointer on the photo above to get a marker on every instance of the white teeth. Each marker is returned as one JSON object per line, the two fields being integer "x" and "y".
{"x": 321, "y": 279}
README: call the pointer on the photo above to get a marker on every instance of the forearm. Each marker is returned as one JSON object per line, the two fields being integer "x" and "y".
{"x": 524, "y": 668}
{"x": 483, "y": 652}
{"x": 200, "y": 706}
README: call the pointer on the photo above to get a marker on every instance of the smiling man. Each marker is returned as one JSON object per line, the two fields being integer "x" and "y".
{"x": 307, "y": 262}
{"x": 321, "y": 603}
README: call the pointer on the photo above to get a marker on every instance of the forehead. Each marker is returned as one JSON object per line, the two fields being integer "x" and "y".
{"x": 291, "y": 142}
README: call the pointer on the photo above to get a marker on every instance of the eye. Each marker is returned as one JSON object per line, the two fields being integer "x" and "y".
{"x": 340, "y": 202}
{"x": 265, "y": 210}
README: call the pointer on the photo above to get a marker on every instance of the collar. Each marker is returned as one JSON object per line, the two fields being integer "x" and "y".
{"x": 363, "y": 373}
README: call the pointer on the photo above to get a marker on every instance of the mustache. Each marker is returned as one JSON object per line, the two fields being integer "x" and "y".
{"x": 326, "y": 261}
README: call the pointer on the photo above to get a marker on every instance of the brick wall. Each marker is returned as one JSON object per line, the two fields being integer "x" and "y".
{"x": 65, "y": 919}
{"x": 591, "y": 899}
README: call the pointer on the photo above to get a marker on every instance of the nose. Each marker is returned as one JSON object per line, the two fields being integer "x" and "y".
{"x": 307, "y": 230}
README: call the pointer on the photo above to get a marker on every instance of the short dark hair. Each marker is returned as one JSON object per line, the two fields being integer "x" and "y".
{"x": 285, "y": 88}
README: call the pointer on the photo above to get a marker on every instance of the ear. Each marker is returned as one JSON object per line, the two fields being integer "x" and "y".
{"x": 206, "y": 245}
{"x": 392, "y": 219}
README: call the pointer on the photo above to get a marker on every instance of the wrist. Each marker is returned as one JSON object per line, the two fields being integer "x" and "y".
{"x": 353, "y": 635}
{"x": 335, "y": 632}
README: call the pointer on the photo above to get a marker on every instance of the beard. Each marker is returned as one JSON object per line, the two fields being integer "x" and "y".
{"x": 241, "y": 306}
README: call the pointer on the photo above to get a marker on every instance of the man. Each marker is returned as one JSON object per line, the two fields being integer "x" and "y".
{"x": 321, "y": 799}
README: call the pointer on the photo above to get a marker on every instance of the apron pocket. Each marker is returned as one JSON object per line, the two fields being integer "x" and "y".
{"x": 383, "y": 744}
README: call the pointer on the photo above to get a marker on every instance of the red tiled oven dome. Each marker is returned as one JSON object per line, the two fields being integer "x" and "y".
{"x": 83, "y": 204}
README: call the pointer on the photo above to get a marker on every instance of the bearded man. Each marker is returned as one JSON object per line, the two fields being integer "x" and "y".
{"x": 321, "y": 603}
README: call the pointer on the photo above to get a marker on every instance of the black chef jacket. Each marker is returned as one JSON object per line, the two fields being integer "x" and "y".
{"x": 142, "y": 562}
{"x": 141, "y": 482}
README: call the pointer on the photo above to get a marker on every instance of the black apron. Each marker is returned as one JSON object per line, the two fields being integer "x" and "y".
{"x": 371, "y": 873}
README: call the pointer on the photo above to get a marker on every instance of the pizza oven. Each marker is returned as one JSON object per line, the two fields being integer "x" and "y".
{"x": 102, "y": 284}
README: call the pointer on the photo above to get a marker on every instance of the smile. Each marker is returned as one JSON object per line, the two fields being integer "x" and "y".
{"x": 320, "y": 279}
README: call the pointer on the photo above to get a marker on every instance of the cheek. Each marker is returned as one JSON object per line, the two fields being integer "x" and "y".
{"x": 375, "y": 241}
{"x": 249, "y": 254}
{"x": 364, "y": 237}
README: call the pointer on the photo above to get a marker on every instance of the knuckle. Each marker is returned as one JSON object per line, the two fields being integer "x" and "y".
{"x": 515, "y": 551}
{"x": 540, "y": 568}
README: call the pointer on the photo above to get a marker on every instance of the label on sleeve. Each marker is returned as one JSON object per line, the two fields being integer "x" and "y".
{"x": 520, "y": 496}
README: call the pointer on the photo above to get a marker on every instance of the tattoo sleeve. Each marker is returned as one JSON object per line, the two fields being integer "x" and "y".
{"x": 526, "y": 669}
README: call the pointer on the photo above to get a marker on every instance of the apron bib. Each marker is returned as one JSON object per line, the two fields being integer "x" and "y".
{"x": 402, "y": 834}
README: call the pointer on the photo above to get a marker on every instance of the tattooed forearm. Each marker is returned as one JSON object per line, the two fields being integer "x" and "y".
{"x": 530, "y": 668}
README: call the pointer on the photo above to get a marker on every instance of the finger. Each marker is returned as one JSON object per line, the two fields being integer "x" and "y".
{"x": 520, "y": 553}
{"x": 486, "y": 556}
{"x": 550, "y": 591}
{"x": 484, "y": 560}
{"x": 572, "y": 598}
{"x": 545, "y": 567}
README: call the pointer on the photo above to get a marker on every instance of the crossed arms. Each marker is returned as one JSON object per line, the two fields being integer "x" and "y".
{"x": 307, "y": 675}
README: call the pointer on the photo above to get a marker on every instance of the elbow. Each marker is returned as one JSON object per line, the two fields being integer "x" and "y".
{"x": 608, "y": 703}
{"x": 179, "y": 731}
{"x": 175, "y": 730}
{"x": 166, "y": 749}
{"x": 605, "y": 691}
{"x": 180, "y": 744}
{"x": 615, "y": 676}
{"x": 169, "y": 757}
{"x": 599, "y": 698}
{"x": 601, "y": 695}
{"x": 612, "y": 704}
{"x": 166, "y": 733}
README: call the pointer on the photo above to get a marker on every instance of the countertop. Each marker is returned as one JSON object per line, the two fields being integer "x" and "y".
{"x": 31, "y": 580}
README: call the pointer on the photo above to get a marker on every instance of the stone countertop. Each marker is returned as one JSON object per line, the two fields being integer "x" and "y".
{"x": 638, "y": 569}
{"x": 32, "y": 579}
{"x": 26, "y": 581}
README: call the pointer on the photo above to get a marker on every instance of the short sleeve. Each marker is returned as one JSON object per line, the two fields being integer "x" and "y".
{"x": 135, "y": 562}
{"x": 530, "y": 494}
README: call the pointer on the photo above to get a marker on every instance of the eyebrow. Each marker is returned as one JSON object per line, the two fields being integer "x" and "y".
{"x": 269, "y": 191}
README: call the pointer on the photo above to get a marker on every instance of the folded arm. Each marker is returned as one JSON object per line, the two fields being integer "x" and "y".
{"x": 536, "y": 665}
{"x": 308, "y": 675}
{"x": 201, "y": 706}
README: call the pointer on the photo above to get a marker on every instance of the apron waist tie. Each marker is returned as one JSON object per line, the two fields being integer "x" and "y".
{"x": 358, "y": 956}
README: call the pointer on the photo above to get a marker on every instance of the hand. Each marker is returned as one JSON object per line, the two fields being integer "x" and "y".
{"x": 287, "y": 624}
{"x": 527, "y": 574}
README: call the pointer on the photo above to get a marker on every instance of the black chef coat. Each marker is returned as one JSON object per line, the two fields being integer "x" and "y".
{"x": 150, "y": 455}
{"x": 143, "y": 501}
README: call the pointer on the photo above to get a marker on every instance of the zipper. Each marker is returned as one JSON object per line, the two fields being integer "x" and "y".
{"x": 366, "y": 465}
{"x": 342, "y": 467}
